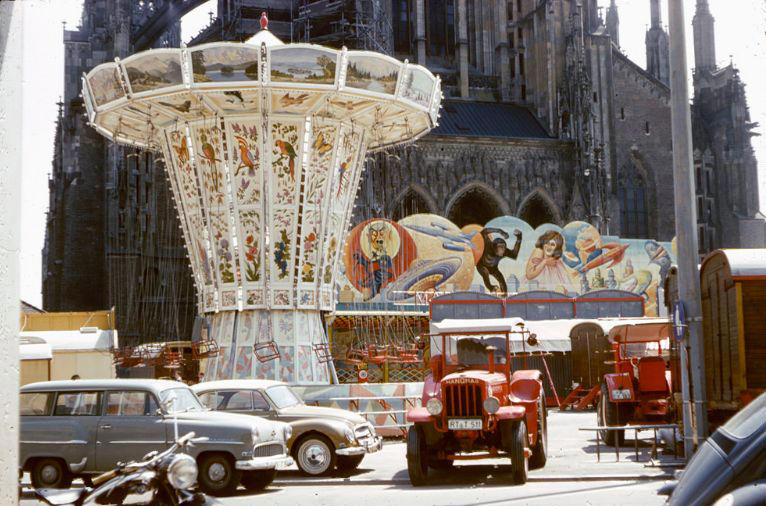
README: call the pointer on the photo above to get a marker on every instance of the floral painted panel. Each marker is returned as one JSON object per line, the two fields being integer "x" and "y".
{"x": 222, "y": 244}
{"x": 180, "y": 158}
{"x": 283, "y": 327}
{"x": 229, "y": 299}
{"x": 246, "y": 161}
{"x": 322, "y": 144}
{"x": 286, "y": 162}
{"x": 197, "y": 238}
{"x": 282, "y": 245}
{"x": 287, "y": 363}
{"x": 304, "y": 364}
{"x": 303, "y": 326}
{"x": 250, "y": 228}
{"x": 243, "y": 368}
{"x": 227, "y": 327}
{"x": 254, "y": 298}
{"x": 247, "y": 326}
{"x": 209, "y": 157}
{"x": 307, "y": 298}
{"x": 344, "y": 177}
{"x": 332, "y": 243}
{"x": 225, "y": 365}
{"x": 265, "y": 370}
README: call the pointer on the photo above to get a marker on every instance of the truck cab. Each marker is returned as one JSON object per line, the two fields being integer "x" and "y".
{"x": 473, "y": 404}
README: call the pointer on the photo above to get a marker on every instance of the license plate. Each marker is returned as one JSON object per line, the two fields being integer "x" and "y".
{"x": 621, "y": 394}
{"x": 464, "y": 424}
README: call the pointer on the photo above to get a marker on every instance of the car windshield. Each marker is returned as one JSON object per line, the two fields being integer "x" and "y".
{"x": 472, "y": 350}
{"x": 748, "y": 420}
{"x": 180, "y": 400}
{"x": 282, "y": 396}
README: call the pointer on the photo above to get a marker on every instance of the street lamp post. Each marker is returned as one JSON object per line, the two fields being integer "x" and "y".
{"x": 686, "y": 229}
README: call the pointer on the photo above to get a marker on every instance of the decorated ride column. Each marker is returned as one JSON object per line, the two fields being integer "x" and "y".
{"x": 264, "y": 144}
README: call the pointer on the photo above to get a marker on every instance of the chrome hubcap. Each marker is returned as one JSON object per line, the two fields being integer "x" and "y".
{"x": 315, "y": 457}
{"x": 49, "y": 474}
{"x": 216, "y": 472}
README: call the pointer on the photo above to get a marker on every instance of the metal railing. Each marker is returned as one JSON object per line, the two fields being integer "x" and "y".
{"x": 636, "y": 429}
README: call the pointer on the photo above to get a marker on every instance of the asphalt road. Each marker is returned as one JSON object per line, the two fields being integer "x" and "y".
{"x": 572, "y": 476}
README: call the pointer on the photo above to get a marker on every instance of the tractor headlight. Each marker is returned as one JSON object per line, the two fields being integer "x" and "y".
{"x": 491, "y": 405}
{"x": 349, "y": 434}
{"x": 288, "y": 431}
{"x": 434, "y": 406}
{"x": 182, "y": 472}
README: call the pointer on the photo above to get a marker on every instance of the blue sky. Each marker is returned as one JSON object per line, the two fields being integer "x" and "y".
{"x": 740, "y": 35}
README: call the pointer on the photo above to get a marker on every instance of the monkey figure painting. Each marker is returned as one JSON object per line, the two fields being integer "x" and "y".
{"x": 495, "y": 250}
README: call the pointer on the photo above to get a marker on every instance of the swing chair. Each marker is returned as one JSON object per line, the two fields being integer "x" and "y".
{"x": 205, "y": 349}
{"x": 356, "y": 353}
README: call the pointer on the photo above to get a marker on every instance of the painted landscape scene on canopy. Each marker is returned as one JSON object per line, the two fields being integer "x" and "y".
{"x": 394, "y": 262}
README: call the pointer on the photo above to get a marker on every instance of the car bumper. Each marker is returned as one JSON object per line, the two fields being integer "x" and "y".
{"x": 370, "y": 447}
{"x": 276, "y": 462}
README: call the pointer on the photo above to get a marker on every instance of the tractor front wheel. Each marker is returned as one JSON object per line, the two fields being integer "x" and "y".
{"x": 417, "y": 456}
{"x": 515, "y": 441}
{"x": 610, "y": 414}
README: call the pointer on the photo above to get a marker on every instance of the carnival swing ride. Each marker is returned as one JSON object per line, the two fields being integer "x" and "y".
{"x": 264, "y": 144}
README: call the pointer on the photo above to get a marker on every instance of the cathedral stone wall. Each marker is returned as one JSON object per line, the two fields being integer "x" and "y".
{"x": 642, "y": 132}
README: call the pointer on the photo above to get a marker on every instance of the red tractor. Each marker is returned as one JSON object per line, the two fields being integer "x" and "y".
{"x": 639, "y": 391}
{"x": 473, "y": 405}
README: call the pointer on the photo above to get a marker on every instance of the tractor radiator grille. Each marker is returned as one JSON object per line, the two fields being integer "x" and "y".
{"x": 462, "y": 400}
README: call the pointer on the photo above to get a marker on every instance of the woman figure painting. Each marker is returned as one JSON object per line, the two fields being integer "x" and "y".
{"x": 545, "y": 265}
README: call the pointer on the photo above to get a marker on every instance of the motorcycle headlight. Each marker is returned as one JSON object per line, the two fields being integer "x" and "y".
{"x": 434, "y": 406}
{"x": 288, "y": 431}
{"x": 182, "y": 472}
{"x": 491, "y": 405}
{"x": 349, "y": 434}
{"x": 726, "y": 500}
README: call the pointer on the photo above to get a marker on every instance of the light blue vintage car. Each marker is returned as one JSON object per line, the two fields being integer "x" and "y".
{"x": 83, "y": 427}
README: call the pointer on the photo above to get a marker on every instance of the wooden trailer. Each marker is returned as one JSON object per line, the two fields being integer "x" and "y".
{"x": 733, "y": 286}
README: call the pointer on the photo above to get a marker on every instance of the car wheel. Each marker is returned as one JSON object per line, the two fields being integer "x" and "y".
{"x": 540, "y": 450}
{"x": 50, "y": 473}
{"x": 217, "y": 475}
{"x": 315, "y": 455}
{"x": 515, "y": 437}
{"x": 349, "y": 462}
{"x": 258, "y": 480}
{"x": 610, "y": 414}
{"x": 417, "y": 456}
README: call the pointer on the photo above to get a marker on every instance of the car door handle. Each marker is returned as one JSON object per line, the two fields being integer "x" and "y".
{"x": 105, "y": 426}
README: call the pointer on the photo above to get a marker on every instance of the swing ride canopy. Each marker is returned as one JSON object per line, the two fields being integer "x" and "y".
{"x": 264, "y": 144}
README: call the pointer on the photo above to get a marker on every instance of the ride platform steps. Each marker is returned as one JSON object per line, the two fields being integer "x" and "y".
{"x": 580, "y": 398}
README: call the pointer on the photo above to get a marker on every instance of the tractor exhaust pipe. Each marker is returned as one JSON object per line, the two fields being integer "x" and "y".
{"x": 491, "y": 355}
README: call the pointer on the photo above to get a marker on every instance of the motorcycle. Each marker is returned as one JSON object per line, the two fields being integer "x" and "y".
{"x": 168, "y": 476}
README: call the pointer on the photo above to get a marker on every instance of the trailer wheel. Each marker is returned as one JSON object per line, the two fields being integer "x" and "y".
{"x": 540, "y": 450}
{"x": 610, "y": 414}
{"x": 417, "y": 456}
{"x": 519, "y": 442}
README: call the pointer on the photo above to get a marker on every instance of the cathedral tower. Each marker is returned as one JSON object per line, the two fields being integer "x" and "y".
{"x": 613, "y": 23}
{"x": 657, "y": 46}
{"x": 704, "y": 37}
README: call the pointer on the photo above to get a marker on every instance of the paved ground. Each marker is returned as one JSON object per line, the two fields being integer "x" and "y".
{"x": 572, "y": 476}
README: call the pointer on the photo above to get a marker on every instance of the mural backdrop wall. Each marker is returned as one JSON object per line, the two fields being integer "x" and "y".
{"x": 386, "y": 261}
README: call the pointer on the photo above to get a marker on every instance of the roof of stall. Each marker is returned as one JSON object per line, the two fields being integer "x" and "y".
{"x": 34, "y": 348}
{"x": 743, "y": 263}
{"x": 640, "y": 332}
{"x": 73, "y": 340}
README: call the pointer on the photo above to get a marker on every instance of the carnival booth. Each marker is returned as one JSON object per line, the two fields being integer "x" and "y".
{"x": 34, "y": 360}
{"x": 86, "y": 352}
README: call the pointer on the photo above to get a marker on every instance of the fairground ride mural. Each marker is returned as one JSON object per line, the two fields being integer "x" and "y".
{"x": 393, "y": 262}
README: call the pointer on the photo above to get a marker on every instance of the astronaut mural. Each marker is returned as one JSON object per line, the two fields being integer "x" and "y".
{"x": 386, "y": 261}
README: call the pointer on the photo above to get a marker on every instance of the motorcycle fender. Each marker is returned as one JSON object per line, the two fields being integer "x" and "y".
{"x": 510, "y": 413}
{"x": 418, "y": 415}
{"x": 619, "y": 381}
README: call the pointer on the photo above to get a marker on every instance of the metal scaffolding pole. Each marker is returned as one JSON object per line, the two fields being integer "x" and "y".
{"x": 686, "y": 227}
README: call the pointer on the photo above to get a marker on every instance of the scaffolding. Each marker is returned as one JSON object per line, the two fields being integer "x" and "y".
{"x": 357, "y": 24}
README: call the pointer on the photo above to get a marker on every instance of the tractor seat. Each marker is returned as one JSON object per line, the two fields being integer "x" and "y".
{"x": 651, "y": 375}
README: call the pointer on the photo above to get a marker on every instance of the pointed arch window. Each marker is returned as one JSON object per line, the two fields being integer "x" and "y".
{"x": 634, "y": 219}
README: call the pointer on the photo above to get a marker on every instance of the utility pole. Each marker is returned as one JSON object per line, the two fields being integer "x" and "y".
{"x": 686, "y": 231}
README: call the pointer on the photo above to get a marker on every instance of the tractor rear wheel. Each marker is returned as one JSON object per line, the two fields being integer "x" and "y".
{"x": 610, "y": 414}
{"x": 540, "y": 450}
{"x": 417, "y": 456}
